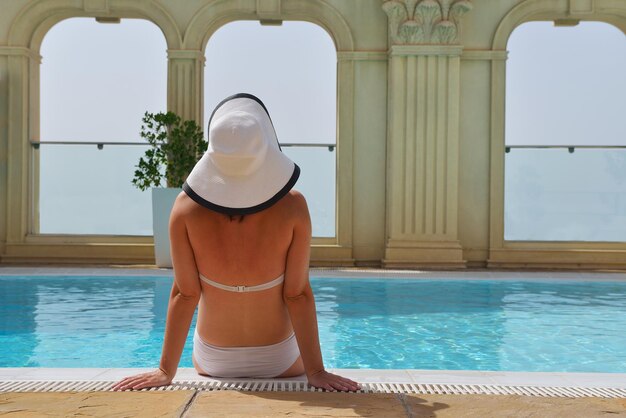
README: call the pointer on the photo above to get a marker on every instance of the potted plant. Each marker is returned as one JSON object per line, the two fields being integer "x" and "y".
{"x": 175, "y": 148}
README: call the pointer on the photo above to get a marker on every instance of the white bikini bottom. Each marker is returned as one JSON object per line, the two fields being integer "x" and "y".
{"x": 261, "y": 362}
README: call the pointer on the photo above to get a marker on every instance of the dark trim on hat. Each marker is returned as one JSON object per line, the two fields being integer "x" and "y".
{"x": 244, "y": 211}
{"x": 243, "y": 96}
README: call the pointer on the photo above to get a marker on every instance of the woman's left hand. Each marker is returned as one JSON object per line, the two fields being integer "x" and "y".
{"x": 144, "y": 380}
{"x": 332, "y": 382}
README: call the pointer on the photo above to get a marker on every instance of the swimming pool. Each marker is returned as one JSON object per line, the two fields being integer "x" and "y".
{"x": 514, "y": 325}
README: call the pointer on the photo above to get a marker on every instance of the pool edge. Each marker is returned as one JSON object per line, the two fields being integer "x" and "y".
{"x": 606, "y": 385}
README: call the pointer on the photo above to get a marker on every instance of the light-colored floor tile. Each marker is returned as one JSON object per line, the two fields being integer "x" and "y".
{"x": 94, "y": 404}
{"x": 481, "y": 406}
{"x": 231, "y": 404}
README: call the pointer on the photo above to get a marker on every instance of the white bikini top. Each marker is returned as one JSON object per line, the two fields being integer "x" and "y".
{"x": 277, "y": 281}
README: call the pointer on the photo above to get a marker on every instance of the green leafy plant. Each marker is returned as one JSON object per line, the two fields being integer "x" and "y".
{"x": 176, "y": 147}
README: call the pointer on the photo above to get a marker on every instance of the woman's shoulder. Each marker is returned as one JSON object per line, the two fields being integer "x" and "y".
{"x": 183, "y": 201}
{"x": 296, "y": 196}
{"x": 293, "y": 206}
{"x": 296, "y": 201}
{"x": 184, "y": 206}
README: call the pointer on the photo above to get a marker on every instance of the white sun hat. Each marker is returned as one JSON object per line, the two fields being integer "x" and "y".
{"x": 244, "y": 170}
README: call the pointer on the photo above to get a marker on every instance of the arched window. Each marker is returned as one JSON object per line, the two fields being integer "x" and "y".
{"x": 97, "y": 80}
{"x": 565, "y": 167}
{"x": 293, "y": 69}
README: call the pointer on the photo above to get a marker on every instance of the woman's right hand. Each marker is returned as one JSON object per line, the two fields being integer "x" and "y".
{"x": 144, "y": 380}
{"x": 332, "y": 382}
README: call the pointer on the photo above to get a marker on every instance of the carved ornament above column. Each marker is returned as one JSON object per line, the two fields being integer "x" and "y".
{"x": 419, "y": 22}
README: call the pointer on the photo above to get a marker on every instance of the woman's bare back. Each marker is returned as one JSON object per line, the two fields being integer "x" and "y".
{"x": 244, "y": 251}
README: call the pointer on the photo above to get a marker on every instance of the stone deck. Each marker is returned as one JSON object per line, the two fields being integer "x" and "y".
{"x": 233, "y": 404}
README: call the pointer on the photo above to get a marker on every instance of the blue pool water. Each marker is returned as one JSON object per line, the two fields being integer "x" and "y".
{"x": 364, "y": 323}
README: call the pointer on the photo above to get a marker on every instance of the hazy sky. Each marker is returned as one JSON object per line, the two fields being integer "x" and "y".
{"x": 566, "y": 85}
{"x": 97, "y": 80}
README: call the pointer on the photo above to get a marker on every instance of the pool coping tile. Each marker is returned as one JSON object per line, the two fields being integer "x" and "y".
{"x": 527, "y": 379}
{"x": 50, "y": 373}
{"x": 449, "y": 377}
{"x": 375, "y": 375}
{"x": 613, "y": 380}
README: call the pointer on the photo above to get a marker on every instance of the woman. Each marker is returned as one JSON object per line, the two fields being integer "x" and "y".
{"x": 240, "y": 248}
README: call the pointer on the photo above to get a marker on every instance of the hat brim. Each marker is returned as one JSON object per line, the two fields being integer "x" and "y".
{"x": 227, "y": 210}
{"x": 243, "y": 195}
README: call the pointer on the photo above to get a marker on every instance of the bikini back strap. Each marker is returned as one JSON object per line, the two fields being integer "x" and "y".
{"x": 277, "y": 281}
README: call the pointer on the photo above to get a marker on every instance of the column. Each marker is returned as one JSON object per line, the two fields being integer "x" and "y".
{"x": 19, "y": 71}
{"x": 423, "y": 133}
{"x": 185, "y": 88}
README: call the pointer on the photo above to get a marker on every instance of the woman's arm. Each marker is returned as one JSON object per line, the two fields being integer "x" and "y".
{"x": 300, "y": 302}
{"x": 182, "y": 304}
{"x": 185, "y": 295}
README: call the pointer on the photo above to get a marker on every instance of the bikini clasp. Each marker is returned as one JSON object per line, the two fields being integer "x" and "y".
{"x": 241, "y": 288}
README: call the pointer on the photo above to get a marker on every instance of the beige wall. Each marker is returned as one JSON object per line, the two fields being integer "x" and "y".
{"x": 420, "y": 125}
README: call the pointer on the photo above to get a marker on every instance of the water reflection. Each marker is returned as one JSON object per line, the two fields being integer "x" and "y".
{"x": 69, "y": 321}
{"x": 410, "y": 324}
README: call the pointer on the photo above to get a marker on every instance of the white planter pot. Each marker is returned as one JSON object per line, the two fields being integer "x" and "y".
{"x": 162, "y": 202}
